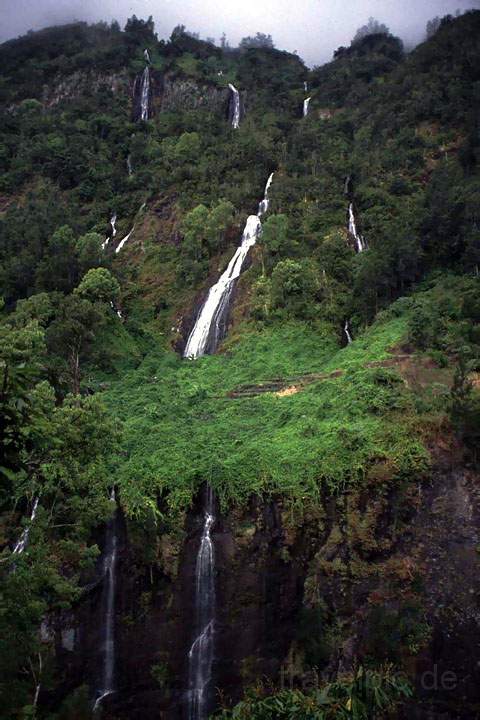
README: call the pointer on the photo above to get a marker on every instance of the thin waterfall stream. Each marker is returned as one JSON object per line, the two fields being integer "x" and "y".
{"x": 145, "y": 93}
{"x": 200, "y": 656}
{"x": 108, "y": 600}
{"x": 22, "y": 542}
{"x": 210, "y": 324}
{"x": 346, "y": 330}
{"x": 236, "y": 106}
{"x": 352, "y": 229}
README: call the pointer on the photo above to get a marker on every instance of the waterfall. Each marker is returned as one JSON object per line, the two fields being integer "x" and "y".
{"x": 146, "y": 55}
{"x": 352, "y": 229}
{"x": 210, "y": 323}
{"x": 305, "y": 86}
{"x": 115, "y": 309}
{"x": 145, "y": 93}
{"x": 200, "y": 656}
{"x": 346, "y": 330}
{"x": 109, "y": 571}
{"x": 236, "y": 106}
{"x": 306, "y": 103}
{"x": 113, "y": 220}
{"x": 122, "y": 242}
{"x": 264, "y": 203}
{"x": 22, "y": 541}
{"x": 129, "y": 165}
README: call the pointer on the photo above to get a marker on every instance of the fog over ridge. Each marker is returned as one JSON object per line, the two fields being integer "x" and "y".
{"x": 313, "y": 28}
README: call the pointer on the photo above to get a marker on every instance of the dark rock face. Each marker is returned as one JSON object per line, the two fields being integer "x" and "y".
{"x": 275, "y": 565}
{"x": 186, "y": 94}
{"x": 231, "y": 106}
{"x": 82, "y": 83}
{"x": 154, "y": 91}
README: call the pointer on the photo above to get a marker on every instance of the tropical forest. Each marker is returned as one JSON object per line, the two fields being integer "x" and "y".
{"x": 239, "y": 375}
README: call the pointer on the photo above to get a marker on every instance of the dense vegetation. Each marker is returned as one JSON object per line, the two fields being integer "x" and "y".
{"x": 86, "y": 394}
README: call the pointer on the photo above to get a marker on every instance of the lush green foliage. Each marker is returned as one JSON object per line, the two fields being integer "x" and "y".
{"x": 364, "y": 695}
{"x": 56, "y": 455}
{"x": 400, "y": 128}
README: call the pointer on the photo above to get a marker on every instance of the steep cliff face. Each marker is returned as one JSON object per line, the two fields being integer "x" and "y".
{"x": 186, "y": 94}
{"x": 301, "y": 594}
{"x": 79, "y": 84}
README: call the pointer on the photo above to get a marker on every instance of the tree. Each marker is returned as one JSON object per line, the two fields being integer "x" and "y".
{"x": 22, "y": 353}
{"x": 373, "y": 27}
{"x": 40, "y": 307}
{"x": 194, "y": 229}
{"x": 57, "y": 454}
{"x": 294, "y": 287}
{"x": 140, "y": 32}
{"x": 220, "y": 217}
{"x": 58, "y": 268}
{"x": 89, "y": 251}
{"x": 274, "y": 236}
{"x": 99, "y": 285}
{"x": 70, "y": 336}
{"x": 260, "y": 40}
{"x": 432, "y": 27}
{"x": 187, "y": 147}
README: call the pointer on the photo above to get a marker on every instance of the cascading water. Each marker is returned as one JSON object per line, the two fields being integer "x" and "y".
{"x": 200, "y": 656}
{"x": 109, "y": 573}
{"x": 21, "y": 543}
{"x": 145, "y": 94}
{"x": 129, "y": 165}
{"x": 305, "y": 86}
{"x": 346, "y": 330}
{"x": 306, "y": 104}
{"x": 264, "y": 203}
{"x": 112, "y": 222}
{"x": 236, "y": 106}
{"x": 124, "y": 240}
{"x": 210, "y": 324}
{"x": 115, "y": 309}
{"x": 146, "y": 55}
{"x": 352, "y": 229}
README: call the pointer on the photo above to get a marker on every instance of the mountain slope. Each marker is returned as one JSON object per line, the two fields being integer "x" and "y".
{"x": 337, "y": 425}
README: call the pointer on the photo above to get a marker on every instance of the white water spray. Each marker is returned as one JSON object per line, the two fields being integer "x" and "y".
{"x": 125, "y": 239}
{"x": 145, "y": 94}
{"x": 352, "y": 229}
{"x": 109, "y": 573}
{"x": 236, "y": 106}
{"x": 346, "y": 330}
{"x": 200, "y": 656}
{"x": 209, "y": 325}
{"x": 113, "y": 220}
{"x": 265, "y": 202}
{"x": 306, "y": 104}
{"x": 21, "y": 543}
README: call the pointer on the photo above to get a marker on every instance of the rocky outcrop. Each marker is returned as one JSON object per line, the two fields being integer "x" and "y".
{"x": 389, "y": 571}
{"x": 81, "y": 83}
{"x": 186, "y": 94}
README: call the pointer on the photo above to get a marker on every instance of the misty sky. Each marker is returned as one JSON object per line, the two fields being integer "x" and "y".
{"x": 314, "y": 28}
